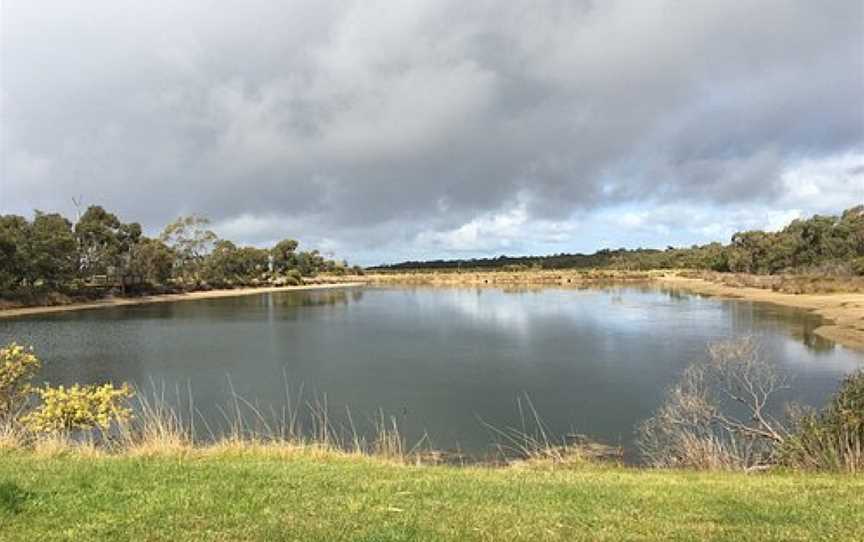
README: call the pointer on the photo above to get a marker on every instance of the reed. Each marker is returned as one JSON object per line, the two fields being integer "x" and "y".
{"x": 168, "y": 424}
{"x": 531, "y": 442}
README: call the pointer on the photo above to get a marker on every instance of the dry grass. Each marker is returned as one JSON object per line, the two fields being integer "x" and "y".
{"x": 793, "y": 284}
{"x": 11, "y": 437}
{"x": 530, "y": 444}
{"x": 160, "y": 429}
{"x": 508, "y": 278}
{"x": 788, "y": 284}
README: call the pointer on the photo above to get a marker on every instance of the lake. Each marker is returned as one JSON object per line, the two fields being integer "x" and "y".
{"x": 444, "y": 361}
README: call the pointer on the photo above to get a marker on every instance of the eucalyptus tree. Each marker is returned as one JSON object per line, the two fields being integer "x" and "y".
{"x": 14, "y": 232}
{"x": 151, "y": 262}
{"x": 52, "y": 250}
{"x": 309, "y": 263}
{"x": 105, "y": 244}
{"x": 284, "y": 255}
{"x": 191, "y": 241}
{"x": 231, "y": 265}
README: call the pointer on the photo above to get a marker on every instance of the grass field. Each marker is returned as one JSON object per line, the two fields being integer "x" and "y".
{"x": 307, "y": 496}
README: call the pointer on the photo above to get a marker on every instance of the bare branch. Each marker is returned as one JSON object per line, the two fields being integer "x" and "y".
{"x": 696, "y": 427}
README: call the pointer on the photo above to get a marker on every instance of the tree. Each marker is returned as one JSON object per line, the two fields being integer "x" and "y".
{"x": 309, "y": 263}
{"x": 151, "y": 262}
{"x": 252, "y": 262}
{"x": 747, "y": 253}
{"x": 191, "y": 242}
{"x": 96, "y": 232}
{"x": 852, "y": 223}
{"x": 105, "y": 244}
{"x": 284, "y": 256}
{"x": 14, "y": 232}
{"x": 220, "y": 266}
{"x": 228, "y": 264}
{"x": 52, "y": 250}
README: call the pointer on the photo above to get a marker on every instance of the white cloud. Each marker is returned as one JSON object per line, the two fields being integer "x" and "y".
{"x": 490, "y": 232}
{"x": 427, "y": 128}
{"x": 825, "y": 185}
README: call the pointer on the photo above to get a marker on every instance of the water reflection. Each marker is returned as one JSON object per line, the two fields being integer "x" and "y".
{"x": 798, "y": 323}
{"x": 594, "y": 360}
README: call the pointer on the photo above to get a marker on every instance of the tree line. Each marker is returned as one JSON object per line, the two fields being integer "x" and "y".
{"x": 50, "y": 253}
{"x": 822, "y": 244}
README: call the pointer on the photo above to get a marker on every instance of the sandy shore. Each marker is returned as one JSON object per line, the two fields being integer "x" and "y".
{"x": 558, "y": 277}
{"x": 167, "y": 298}
{"x": 844, "y": 312}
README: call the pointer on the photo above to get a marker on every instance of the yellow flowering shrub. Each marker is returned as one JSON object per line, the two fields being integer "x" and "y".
{"x": 79, "y": 407}
{"x": 18, "y": 365}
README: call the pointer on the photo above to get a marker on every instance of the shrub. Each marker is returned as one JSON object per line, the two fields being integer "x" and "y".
{"x": 79, "y": 407}
{"x": 716, "y": 416}
{"x": 293, "y": 278}
{"x": 18, "y": 365}
{"x": 832, "y": 439}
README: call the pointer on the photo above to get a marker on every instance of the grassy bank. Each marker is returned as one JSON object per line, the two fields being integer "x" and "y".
{"x": 307, "y": 495}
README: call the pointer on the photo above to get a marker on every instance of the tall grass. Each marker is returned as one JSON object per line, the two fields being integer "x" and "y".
{"x": 169, "y": 423}
{"x": 532, "y": 442}
{"x": 690, "y": 429}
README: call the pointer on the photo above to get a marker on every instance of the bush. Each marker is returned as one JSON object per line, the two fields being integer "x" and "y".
{"x": 832, "y": 439}
{"x": 716, "y": 416}
{"x": 17, "y": 368}
{"x": 293, "y": 278}
{"x": 78, "y": 407}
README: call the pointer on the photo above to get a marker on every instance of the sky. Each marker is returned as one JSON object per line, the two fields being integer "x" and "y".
{"x": 393, "y": 130}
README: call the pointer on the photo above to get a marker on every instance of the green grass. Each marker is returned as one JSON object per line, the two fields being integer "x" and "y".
{"x": 304, "y": 496}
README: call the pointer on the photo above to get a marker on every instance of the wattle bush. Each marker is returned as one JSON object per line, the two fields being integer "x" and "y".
{"x": 78, "y": 407}
{"x": 18, "y": 365}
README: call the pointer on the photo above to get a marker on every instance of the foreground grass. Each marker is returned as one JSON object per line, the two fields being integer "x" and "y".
{"x": 319, "y": 496}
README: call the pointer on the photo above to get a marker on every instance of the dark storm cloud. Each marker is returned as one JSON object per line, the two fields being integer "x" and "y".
{"x": 362, "y": 121}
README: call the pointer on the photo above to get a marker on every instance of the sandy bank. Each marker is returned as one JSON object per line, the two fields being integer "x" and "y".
{"x": 166, "y": 298}
{"x": 562, "y": 277}
{"x": 843, "y": 311}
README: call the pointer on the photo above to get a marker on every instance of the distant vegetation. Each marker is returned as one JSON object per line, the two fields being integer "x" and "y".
{"x": 50, "y": 255}
{"x": 821, "y": 244}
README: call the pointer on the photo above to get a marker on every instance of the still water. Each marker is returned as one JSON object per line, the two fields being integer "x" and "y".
{"x": 592, "y": 361}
